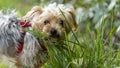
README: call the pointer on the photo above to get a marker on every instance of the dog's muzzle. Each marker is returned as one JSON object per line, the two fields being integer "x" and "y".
{"x": 54, "y": 33}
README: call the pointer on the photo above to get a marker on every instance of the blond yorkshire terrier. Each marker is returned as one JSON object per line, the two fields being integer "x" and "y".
{"x": 53, "y": 20}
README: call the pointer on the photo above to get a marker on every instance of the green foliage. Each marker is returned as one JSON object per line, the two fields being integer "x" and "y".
{"x": 96, "y": 45}
{"x": 89, "y": 52}
{"x": 21, "y": 6}
{"x": 96, "y": 42}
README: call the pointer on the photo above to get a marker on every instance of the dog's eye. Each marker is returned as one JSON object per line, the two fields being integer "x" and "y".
{"x": 46, "y": 22}
{"x": 61, "y": 22}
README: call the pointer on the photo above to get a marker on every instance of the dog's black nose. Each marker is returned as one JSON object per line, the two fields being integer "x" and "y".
{"x": 53, "y": 32}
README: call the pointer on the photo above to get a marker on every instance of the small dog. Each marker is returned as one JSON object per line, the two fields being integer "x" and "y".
{"x": 27, "y": 50}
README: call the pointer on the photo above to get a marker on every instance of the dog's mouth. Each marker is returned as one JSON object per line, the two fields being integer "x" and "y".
{"x": 57, "y": 36}
{"x": 52, "y": 37}
{"x": 51, "y": 40}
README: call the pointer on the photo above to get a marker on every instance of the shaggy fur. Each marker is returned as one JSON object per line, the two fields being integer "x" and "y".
{"x": 10, "y": 34}
{"x": 52, "y": 14}
{"x": 48, "y": 20}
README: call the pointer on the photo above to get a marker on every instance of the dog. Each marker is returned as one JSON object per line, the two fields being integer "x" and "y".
{"x": 28, "y": 50}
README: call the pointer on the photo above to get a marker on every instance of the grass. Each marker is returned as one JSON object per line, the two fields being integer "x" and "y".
{"x": 89, "y": 48}
{"x": 87, "y": 53}
{"x": 93, "y": 49}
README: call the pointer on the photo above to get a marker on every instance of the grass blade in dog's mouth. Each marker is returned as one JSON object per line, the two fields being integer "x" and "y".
{"x": 38, "y": 34}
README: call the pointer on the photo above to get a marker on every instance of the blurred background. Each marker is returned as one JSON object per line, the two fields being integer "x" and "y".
{"x": 92, "y": 10}
{"x": 91, "y": 15}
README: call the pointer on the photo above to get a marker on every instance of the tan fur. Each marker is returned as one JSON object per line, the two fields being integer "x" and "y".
{"x": 52, "y": 14}
{"x": 42, "y": 14}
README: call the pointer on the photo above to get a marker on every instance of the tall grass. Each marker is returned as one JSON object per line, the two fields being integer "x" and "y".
{"x": 93, "y": 49}
{"x": 89, "y": 48}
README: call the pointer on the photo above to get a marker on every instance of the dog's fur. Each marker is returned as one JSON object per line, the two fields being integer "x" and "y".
{"x": 48, "y": 20}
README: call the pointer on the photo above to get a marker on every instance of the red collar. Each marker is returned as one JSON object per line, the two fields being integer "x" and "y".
{"x": 25, "y": 24}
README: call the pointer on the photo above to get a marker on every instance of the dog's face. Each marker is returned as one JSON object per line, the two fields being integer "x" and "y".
{"x": 53, "y": 21}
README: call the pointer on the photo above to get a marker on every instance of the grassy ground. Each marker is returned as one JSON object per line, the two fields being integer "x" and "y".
{"x": 96, "y": 42}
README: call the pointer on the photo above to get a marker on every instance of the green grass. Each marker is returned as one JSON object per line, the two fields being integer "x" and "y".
{"x": 85, "y": 51}
{"x": 92, "y": 49}
{"x": 88, "y": 47}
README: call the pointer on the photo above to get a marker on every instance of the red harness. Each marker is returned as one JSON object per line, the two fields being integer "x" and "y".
{"x": 21, "y": 41}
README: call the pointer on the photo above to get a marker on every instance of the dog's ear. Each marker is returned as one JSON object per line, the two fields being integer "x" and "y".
{"x": 35, "y": 11}
{"x": 71, "y": 11}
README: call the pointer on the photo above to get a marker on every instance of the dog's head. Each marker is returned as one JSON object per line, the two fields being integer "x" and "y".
{"x": 53, "y": 20}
